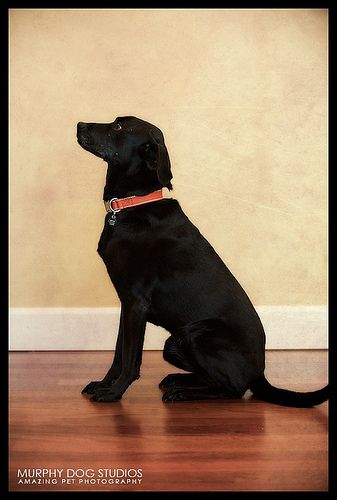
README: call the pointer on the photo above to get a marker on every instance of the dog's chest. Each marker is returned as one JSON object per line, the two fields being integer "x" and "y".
{"x": 127, "y": 256}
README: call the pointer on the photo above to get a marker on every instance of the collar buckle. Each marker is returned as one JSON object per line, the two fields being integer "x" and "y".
{"x": 111, "y": 209}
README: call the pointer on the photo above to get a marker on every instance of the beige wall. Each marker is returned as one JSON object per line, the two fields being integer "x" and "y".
{"x": 241, "y": 98}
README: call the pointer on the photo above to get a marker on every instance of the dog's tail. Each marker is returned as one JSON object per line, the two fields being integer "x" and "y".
{"x": 263, "y": 390}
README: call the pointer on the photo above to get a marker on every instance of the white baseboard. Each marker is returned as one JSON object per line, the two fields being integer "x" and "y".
{"x": 49, "y": 329}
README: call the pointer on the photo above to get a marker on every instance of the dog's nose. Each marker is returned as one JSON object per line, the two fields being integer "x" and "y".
{"x": 82, "y": 126}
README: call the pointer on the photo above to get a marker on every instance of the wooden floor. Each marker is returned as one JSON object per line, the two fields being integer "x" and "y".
{"x": 244, "y": 445}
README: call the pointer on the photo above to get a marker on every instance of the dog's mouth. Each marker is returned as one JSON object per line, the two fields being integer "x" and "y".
{"x": 86, "y": 141}
{"x": 103, "y": 150}
{"x": 83, "y": 141}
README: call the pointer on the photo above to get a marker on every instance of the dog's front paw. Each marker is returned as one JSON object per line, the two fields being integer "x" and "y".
{"x": 106, "y": 395}
{"x": 94, "y": 386}
{"x": 175, "y": 394}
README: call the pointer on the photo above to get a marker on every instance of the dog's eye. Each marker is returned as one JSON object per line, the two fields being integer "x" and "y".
{"x": 117, "y": 126}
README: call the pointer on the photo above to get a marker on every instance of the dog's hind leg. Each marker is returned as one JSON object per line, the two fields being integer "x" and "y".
{"x": 221, "y": 357}
{"x": 196, "y": 393}
{"x": 173, "y": 354}
{"x": 175, "y": 380}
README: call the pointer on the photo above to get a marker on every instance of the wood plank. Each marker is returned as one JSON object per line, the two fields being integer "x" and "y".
{"x": 244, "y": 445}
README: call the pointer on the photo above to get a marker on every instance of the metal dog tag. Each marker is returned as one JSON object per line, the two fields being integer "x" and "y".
{"x": 112, "y": 219}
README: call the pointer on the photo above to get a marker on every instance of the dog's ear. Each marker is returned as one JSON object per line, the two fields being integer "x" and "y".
{"x": 156, "y": 157}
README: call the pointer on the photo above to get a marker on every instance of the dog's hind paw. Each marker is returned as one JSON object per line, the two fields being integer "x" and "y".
{"x": 175, "y": 394}
{"x": 169, "y": 381}
{"x": 180, "y": 380}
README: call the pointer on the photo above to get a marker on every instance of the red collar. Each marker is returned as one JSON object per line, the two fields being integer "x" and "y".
{"x": 117, "y": 204}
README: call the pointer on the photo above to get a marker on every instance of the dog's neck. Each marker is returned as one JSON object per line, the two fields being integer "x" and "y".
{"x": 120, "y": 185}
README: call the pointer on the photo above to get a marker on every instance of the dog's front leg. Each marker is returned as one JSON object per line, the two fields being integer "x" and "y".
{"x": 128, "y": 353}
{"x": 115, "y": 369}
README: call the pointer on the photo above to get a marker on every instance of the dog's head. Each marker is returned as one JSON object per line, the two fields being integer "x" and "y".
{"x": 138, "y": 161}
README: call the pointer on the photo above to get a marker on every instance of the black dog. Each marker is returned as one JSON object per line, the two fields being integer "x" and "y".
{"x": 166, "y": 272}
